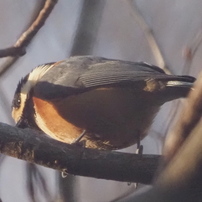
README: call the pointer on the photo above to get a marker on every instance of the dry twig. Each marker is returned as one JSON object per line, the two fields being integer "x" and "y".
{"x": 148, "y": 35}
{"x": 190, "y": 51}
{"x": 19, "y": 47}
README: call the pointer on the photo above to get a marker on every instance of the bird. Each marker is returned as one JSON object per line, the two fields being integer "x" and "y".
{"x": 102, "y": 103}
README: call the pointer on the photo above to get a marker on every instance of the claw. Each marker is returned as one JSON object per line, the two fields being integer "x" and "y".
{"x": 64, "y": 173}
{"x": 77, "y": 140}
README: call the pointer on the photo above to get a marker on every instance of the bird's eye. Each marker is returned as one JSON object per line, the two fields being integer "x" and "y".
{"x": 17, "y": 102}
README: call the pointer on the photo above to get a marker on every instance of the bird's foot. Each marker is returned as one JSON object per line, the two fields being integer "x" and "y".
{"x": 78, "y": 140}
{"x": 139, "y": 151}
{"x": 64, "y": 173}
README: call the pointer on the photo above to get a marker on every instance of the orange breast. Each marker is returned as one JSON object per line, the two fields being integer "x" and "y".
{"x": 52, "y": 123}
{"x": 113, "y": 117}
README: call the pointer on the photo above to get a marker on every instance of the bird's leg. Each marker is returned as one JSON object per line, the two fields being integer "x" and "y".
{"x": 139, "y": 151}
{"x": 77, "y": 140}
{"x": 64, "y": 173}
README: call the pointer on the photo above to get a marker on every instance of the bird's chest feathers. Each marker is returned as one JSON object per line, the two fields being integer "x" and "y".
{"x": 52, "y": 123}
{"x": 112, "y": 114}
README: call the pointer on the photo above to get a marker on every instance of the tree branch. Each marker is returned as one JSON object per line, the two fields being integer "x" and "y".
{"x": 19, "y": 47}
{"x": 148, "y": 35}
{"x": 181, "y": 177}
{"x": 187, "y": 121}
{"x": 88, "y": 25}
{"x": 34, "y": 147}
{"x": 28, "y": 35}
{"x": 190, "y": 51}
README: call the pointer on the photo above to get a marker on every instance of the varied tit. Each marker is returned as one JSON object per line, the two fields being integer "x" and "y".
{"x": 106, "y": 103}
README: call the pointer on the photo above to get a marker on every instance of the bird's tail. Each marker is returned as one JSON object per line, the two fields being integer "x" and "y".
{"x": 178, "y": 87}
{"x": 180, "y": 84}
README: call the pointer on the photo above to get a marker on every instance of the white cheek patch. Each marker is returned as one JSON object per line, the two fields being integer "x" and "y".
{"x": 18, "y": 112}
{"x": 33, "y": 78}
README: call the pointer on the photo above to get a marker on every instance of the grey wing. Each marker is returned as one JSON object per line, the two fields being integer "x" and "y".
{"x": 81, "y": 73}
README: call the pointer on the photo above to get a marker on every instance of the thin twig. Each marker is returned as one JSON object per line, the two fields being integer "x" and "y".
{"x": 148, "y": 35}
{"x": 19, "y": 47}
{"x": 28, "y": 35}
{"x": 190, "y": 51}
{"x": 172, "y": 114}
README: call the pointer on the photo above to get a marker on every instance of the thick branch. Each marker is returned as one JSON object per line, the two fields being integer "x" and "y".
{"x": 36, "y": 148}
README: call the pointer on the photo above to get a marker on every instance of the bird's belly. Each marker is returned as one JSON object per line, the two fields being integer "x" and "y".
{"x": 114, "y": 118}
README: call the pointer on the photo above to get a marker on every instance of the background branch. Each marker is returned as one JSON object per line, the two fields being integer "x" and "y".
{"x": 187, "y": 121}
{"x": 36, "y": 148}
{"x": 148, "y": 35}
{"x": 90, "y": 19}
{"x": 190, "y": 51}
{"x": 19, "y": 47}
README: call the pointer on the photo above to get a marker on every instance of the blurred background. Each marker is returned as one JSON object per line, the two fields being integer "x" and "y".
{"x": 164, "y": 33}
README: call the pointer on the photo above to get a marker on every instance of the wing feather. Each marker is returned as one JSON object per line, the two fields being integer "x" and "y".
{"x": 81, "y": 73}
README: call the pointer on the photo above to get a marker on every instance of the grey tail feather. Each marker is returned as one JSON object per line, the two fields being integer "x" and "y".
{"x": 182, "y": 84}
{"x": 178, "y": 88}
